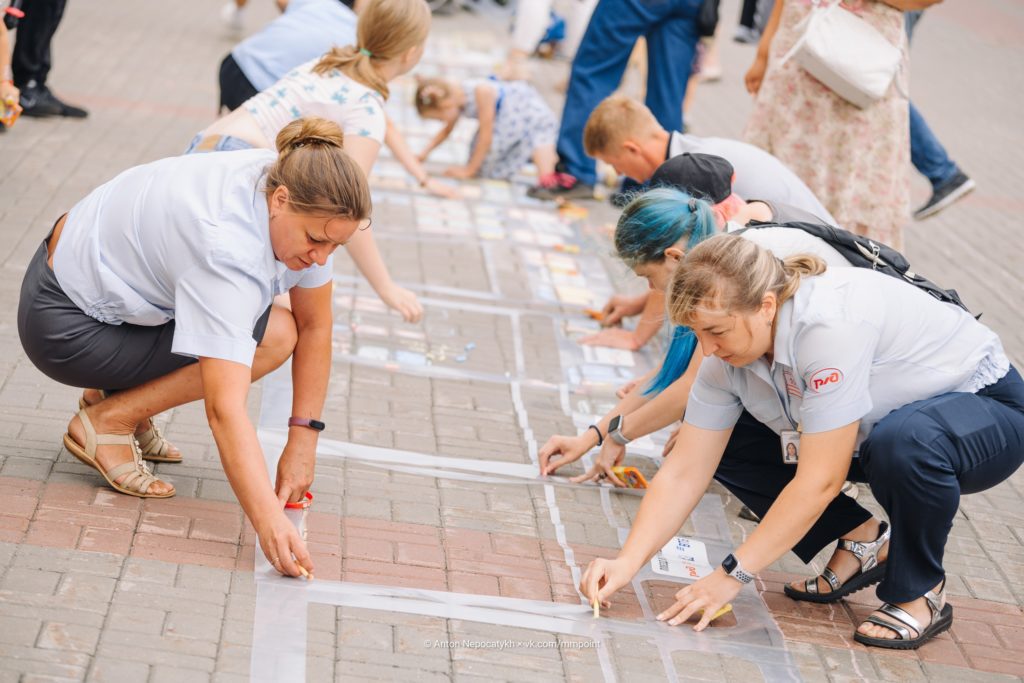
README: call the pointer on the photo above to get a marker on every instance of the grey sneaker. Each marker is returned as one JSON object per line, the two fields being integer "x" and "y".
{"x": 953, "y": 189}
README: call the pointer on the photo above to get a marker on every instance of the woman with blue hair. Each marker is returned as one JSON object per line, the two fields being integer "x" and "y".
{"x": 653, "y": 234}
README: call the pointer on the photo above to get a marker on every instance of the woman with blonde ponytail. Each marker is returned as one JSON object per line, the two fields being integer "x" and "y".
{"x": 348, "y": 85}
{"x": 813, "y": 376}
{"x": 157, "y": 287}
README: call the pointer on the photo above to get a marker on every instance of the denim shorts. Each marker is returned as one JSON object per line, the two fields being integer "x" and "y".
{"x": 216, "y": 143}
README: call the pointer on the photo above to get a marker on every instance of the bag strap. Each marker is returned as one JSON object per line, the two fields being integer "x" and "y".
{"x": 804, "y": 25}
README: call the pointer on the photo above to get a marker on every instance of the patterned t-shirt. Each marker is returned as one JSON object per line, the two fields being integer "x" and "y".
{"x": 357, "y": 109}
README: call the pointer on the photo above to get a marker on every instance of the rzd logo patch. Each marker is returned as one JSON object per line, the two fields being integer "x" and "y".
{"x": 822, "y": 380}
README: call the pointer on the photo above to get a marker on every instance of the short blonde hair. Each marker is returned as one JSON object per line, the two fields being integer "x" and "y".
{"x": 730, "y": 273}
{"x": 615, "y": 120}
{"x": 386, "y": 29}
{"x": 431, "y": 93}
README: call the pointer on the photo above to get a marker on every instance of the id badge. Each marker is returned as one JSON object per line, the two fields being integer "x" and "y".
{"x": 790, "y": 446}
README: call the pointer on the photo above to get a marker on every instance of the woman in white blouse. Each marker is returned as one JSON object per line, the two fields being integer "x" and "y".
{"x": 157, "y": 286}
{"x": 870, "y": 380}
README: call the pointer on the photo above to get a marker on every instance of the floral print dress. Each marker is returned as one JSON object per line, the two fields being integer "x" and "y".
{"x": 855, "y": 160}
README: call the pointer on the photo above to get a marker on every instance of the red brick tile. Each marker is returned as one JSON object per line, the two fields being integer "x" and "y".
{"x": 86, "y": 516}
{"x": 965, "y": 610}
{"x": 974, "y": 652}
{"x": 999, "y": 666}
{"x": 393, "y": 574}
{"x": 14, "y": 523}
{"x": 1012, "y": 637}
{"x": 105, "y": 541}
{"x": 975, "y": 604}
{"x": 809, "y": 632}
{"x": 423, "y": 555}
{"x": 108, "y": 498}
{"x": 11, "y": 535}
{"x": 520, "y": 546}
{"x": 484, "y": 567}
{"x": 420, "y": 534}
{"x": 219, "y": 528}
{"x": 15, "y": 486}
{"x": 322, "y": 522}
{"x": 513, "y": 587}
{"x": 369, "y": 549}
{"x": 185, "y": 557}
{"x": 942, "y": 652}
{"x": 19, "y": 505}
{"x": 164, "y": 524}
{"x": 169, "y": 547}
{"x": 246, "y": 560}
{"x": 402, "y": 581}
{"x": 58, "y": 494}
{"x": 974, "y": 632}
{"x": 467, "y": 538}
{"x": 53, "y": 534}
{"x": 478, "y": 584}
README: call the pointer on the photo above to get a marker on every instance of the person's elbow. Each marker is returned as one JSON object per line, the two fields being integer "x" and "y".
{"x": 820, "y": 489}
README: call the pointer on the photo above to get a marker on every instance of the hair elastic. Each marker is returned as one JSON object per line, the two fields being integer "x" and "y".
{"x": 364, "y": 51}
{"x": 693, "y": 204}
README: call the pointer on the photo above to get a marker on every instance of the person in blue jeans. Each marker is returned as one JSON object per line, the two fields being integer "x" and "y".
{"x": 670, "y": 27}
{"x": 929, "y": 157}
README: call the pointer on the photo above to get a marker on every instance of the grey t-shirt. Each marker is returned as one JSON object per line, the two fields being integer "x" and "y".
{"x": 758, "y": 173}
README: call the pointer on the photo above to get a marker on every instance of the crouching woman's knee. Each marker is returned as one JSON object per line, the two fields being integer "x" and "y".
{"x": 279, "y": 340}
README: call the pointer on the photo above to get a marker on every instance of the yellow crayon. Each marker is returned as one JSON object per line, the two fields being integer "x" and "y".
{"x": 597, "y": 608}
{"x": 724, "y": 610}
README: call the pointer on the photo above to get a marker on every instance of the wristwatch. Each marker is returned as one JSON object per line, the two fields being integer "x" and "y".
{"x": 732, "y": 567}
{"x": 615, "y": 431}
{"x": 315, "y": 425}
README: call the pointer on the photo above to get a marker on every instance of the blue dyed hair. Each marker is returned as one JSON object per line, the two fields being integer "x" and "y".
{"x": 653, "y": 222}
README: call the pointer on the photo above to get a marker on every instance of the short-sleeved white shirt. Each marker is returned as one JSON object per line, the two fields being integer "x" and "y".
{"x": 785, "y": 242}
{"x": 852, "y": 344}
{"x": 358, "y": 110}
{"x": 185, "y": 238}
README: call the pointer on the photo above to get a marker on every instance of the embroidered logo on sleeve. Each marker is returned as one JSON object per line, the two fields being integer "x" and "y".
{"x": 825, "y": 379}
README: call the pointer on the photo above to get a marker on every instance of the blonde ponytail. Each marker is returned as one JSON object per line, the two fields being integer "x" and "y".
{"x": 730, "y": 273}
{"x": 387, "y": 29}
{"x": 321, "y": 178}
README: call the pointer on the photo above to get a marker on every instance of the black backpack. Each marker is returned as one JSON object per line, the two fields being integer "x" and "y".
{"x": 863, "y": 252}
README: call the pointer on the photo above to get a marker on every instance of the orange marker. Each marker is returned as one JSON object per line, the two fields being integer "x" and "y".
{"x": 594, "y": 313}
{"x": 631, "y": 476}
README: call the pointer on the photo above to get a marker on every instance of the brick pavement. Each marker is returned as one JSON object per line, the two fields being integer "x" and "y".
{"x": 96, "y": 586}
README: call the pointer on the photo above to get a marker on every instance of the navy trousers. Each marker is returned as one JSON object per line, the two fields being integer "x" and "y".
{"x": 670, "y": 27}
{"x": 918, "y": 459}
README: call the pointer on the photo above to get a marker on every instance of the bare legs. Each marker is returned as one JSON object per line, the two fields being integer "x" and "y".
{"x": 124, "y": 411}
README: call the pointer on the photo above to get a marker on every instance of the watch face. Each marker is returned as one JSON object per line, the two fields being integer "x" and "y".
{"x": 729, "y": 563}
{"x": 614, "y": 425}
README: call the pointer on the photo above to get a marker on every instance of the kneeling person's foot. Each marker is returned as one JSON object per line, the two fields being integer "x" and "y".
{"x": 152, "y": 444}
{"x": 560, "y": 186}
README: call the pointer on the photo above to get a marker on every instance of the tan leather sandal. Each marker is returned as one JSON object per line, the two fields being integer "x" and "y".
{"x": 138, "y": 478}
{"x": 152, "y": 444}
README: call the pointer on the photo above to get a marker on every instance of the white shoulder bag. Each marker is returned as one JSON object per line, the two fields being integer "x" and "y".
{"x": 846, "y": 53}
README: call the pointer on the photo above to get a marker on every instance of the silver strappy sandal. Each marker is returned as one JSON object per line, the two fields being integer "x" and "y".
{"x": 903, "y": 621}
{"x": 870, "y": 573}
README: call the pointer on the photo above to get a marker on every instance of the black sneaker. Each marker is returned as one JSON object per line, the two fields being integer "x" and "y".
{"x": 953, "y": 189}
{"x": 561, "y": 186}
{"x": 38, "y": 101}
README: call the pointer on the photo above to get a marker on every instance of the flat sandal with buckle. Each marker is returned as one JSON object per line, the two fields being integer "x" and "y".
{"x": 871, "y": 571}
{"x": 903, "y": 621}
{"x": 152, "y": 444}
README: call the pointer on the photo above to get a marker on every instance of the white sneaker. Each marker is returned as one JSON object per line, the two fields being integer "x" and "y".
{"x": 233, "y": 16}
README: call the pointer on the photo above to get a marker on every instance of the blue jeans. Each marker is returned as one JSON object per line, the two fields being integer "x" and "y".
{"x": 670, "y": 27}
{"x": 216, "y": 143}
{"x": 926, "y": 152}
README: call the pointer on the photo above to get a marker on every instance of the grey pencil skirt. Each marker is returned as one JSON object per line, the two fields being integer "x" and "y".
{"x": 75, "y": 349}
